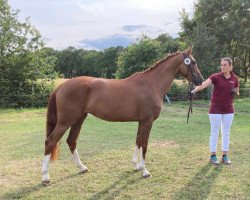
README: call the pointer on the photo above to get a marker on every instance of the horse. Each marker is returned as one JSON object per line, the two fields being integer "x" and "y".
{"x": 138, "y": 98}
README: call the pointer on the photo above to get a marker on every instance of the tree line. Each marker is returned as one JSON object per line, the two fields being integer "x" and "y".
{"x": 113, "y": 62}
{"x": 217, "y": 29}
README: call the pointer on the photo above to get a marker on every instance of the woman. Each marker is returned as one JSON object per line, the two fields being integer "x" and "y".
{"x": 221, "y": 111}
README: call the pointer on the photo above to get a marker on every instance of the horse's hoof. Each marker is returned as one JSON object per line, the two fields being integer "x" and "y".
{"x": 84, "y": 171}
{"x": 46, "y": 182}
{"x": 136, "y": 169}
{"x": 146, "y": 174}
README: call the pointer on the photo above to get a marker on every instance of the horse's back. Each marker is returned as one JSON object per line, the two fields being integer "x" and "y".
{"x": 108, "y": 99}
{"x": 114, "y": 100}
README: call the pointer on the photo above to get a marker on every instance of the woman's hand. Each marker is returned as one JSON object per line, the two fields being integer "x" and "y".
{"x": 191, "y": 95}
{"x": 235, "y": 92}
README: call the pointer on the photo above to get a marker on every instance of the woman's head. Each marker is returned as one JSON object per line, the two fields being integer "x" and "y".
{"x": 226, "y": 65}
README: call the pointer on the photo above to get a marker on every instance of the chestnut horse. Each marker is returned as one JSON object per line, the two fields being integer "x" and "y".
{"x": 136, "y": 98}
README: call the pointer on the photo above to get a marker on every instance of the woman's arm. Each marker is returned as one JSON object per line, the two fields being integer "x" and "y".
{"x": 204, "y": 85}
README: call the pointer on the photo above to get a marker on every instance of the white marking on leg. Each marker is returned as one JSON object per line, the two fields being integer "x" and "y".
{"x": 45, "y": 169}
{"x": 142, "y": 162}
{"x": 135, "y": 157}
{"x": 142, "y": 166}
{"x": 78, "y": 162}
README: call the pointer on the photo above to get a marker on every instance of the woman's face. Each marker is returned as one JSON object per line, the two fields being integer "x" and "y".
{"x": 225, "y": 67}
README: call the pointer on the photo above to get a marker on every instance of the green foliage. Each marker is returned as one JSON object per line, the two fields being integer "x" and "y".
{"x": 108, "y": 62}
{"x": 27, "y": 94}
{"x": 206, "y": 51}
{"x": 72, "y": 62}
{"x": 178, "y": 91}
{"x": 138, "y": 57}
{"x": 244, "y": 89}
{"x": 22, "y": 59}
{"x": 115, "y": 61}
{"x": 90, "y": 65}
{"x": 218, "y": 29}
{"x": 168, "y": 44}
{"x": 182, "y": 45}
{"x": 68, "y": 61}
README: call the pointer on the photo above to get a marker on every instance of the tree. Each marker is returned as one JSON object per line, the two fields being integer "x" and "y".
{"x": 108, "y": 62}
{"x": 72, "y": 62}
{"x": 138, "y": 57}
{"x": 69, "y": 61}
{"x": 205, "y": 50}
{"x": 168, "y": 43}
{"x": 226, "y": 24}
{"x": 22, "y": 60}
{"x": 43, "y": 62}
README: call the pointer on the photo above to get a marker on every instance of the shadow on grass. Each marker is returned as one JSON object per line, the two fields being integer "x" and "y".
{"x": 121, "y": 184}
{"x": 200, "y": 185}
{"x": 26, "y": 191}
{"x": 22, "y": 192}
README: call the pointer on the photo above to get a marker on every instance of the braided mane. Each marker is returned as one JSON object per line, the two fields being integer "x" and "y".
{"x": 159, "y": 62}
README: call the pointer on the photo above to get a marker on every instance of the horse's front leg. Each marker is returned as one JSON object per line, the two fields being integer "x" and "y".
{"x": 141, "y": 146}
{"x": 135, "y": 158}
{"x": 142, "y": 165}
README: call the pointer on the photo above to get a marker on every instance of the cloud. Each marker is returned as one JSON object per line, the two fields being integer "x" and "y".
{"x": 132, "y": 28}
{"x": 46, "y": 39}
{"x": 149, "y": 30}
{"x": 137, "y": 30}
{"x": 106, "y": 42}
{"x": 66, "y": 22}
{"x": 129, "y": 33}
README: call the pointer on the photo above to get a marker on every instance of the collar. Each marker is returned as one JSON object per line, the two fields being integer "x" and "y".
{"x": 231, "y": 73}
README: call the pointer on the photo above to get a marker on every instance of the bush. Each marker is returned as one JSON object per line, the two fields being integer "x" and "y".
{"x": 244, "y": 89}
{"x": 28, "y": 94}
{"x": 179, "y": 91}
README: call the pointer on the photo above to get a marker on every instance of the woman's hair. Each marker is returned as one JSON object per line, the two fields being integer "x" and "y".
{"x": 229, "y": 60}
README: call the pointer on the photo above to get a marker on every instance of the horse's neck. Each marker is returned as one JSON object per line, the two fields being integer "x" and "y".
{"x": 161, "y": 77}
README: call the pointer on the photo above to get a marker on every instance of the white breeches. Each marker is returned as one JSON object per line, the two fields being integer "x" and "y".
{"x": 223, "y": 122}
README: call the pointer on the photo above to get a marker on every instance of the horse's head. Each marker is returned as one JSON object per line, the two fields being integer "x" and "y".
{"x": 189, "y": 68}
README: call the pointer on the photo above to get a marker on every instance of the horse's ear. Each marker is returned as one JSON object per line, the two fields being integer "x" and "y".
{"x": 188, "y": 50}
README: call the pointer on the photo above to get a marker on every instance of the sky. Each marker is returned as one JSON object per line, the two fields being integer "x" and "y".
{"x": 100, "y": 24}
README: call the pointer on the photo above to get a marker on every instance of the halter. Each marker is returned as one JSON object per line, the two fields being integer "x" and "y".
{"x": 190, "y": 64}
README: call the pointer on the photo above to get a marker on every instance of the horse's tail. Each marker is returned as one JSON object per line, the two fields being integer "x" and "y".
{"x": 51, "y": 121}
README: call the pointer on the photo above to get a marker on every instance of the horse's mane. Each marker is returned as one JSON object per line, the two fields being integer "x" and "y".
{"x": 158, "y": 62}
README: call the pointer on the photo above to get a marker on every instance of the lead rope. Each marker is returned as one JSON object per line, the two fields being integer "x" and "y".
{"x": 190, "y": 98}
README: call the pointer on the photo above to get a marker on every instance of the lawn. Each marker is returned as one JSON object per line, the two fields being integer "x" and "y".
{"x": 177, "y": 158}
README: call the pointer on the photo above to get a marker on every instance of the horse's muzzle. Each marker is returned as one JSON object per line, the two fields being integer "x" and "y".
{"x": 197, "y": 81}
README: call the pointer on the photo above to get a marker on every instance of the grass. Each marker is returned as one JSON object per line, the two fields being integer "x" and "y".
{"x": 177, "y": 158}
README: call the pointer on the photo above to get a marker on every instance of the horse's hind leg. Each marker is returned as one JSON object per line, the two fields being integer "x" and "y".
{"x": 72, "y": 141}
{"x": 50, "y": 144}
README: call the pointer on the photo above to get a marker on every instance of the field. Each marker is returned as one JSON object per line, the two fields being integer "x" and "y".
{"x": 177, "y": 158}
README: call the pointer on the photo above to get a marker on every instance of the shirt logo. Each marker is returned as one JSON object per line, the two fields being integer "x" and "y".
{"x": 231, "y": 81}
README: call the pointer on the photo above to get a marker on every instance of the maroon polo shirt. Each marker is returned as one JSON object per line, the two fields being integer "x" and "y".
{"x": 222, "y": 99}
